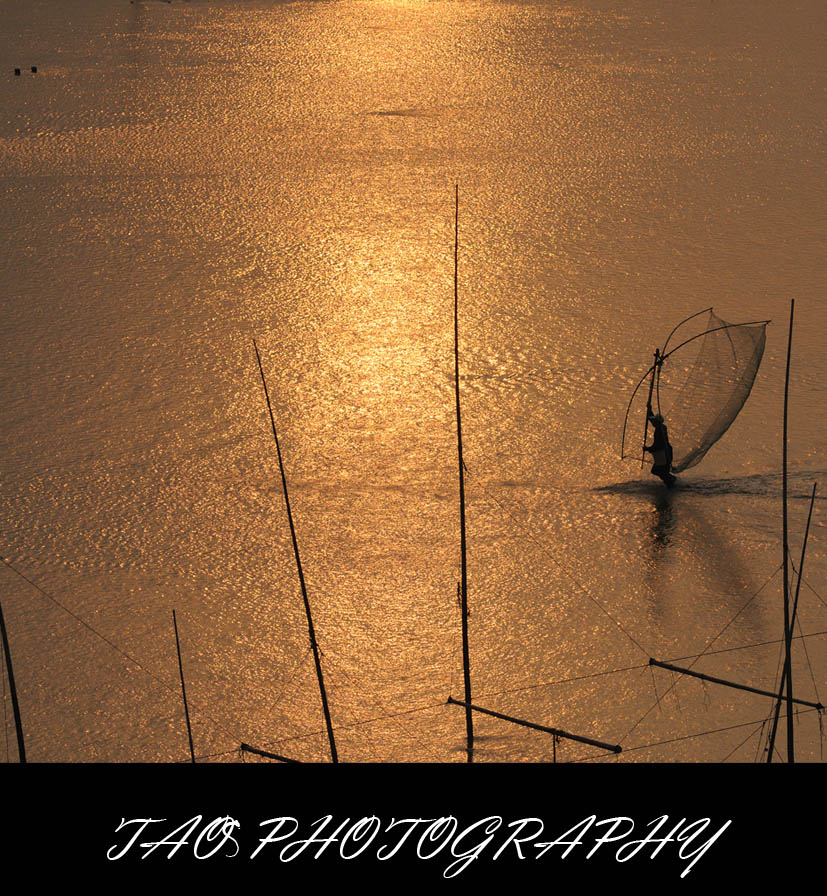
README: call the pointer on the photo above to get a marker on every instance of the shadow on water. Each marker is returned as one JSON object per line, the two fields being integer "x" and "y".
{"x": 663, "y": 526}
{"x": 759, "y": 485}
{"x": 718, "y": 563}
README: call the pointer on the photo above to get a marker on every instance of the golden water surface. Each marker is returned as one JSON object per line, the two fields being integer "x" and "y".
{"x": 178, "y": 179}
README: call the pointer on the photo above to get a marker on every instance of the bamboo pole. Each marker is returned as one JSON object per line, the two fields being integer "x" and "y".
{"x": 729, "y": 684}
{"x": 466, "y": 665}
{"x": 803, "y": 555}
{"x": 183, "y": 688}
{"x": 246, "y": 748}
{"x": 311, "y": 631}
{"x": 21, "y": 746}
{"x": 771, "y": 742}
{"x": 613, "y": 748}
{"x": 786, "y": 548}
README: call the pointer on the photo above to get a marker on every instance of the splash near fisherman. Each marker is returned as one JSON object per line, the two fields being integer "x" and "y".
{"x": 703, "y": 395}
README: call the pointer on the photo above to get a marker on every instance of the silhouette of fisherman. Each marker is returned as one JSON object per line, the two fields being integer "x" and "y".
{"x": 660, "y": 449}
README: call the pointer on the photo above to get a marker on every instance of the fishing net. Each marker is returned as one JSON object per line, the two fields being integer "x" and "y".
{"x": 700, "y": 386}
{"x": 714, "y": 388}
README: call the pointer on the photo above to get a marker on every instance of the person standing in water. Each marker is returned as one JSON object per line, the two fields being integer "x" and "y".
{"x": 660, "y": 449}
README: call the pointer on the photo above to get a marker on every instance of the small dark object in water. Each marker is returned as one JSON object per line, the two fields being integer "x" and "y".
{"x": 17, "y": 71}
{"x": 34, "y": 69}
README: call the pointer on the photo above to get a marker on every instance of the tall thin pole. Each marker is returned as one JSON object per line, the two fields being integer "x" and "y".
{"x": 183, "y": 688}
{"x": 787, "y": 622}
{"x": 466, "y": 664}
{"x": 21, "y": 747}
{"x": 803, "y": 554}
{"x": 771, "y": 742}
{"x": 311, "y": 631}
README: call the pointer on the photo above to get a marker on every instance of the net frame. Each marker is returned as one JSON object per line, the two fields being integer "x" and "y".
{"x": 714, "y": 371}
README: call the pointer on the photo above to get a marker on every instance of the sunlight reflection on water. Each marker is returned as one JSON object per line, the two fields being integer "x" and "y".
{"x": 180, "y": 179}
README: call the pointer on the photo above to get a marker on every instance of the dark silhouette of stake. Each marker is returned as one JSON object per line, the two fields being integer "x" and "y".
{"x": 21, "y": 747}
{"x": 730, "y": 684}
{"x": 771, "y": 742}
{"x": 246, "y": 748}
{"x": 183, "y": 688}
{"x": 557, "y": 732}
{"x": 787, "y": 621}
{"x": 466, "y": 665}
{"x": 333, "y": 754}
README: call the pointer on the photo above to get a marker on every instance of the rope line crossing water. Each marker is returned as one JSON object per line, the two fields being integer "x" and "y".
{"x": 642, "y": 666}
{"x": 779, "y": 665}
{"x": 618, "y": 624}
{"x": 172, "y": 688}
{"x": 622, "y": 669}
{"x": 565, "y": 571}
{"x": 386, "y": 715}
{"x": 707, "y": 733}
{"x": 700, "y": 655}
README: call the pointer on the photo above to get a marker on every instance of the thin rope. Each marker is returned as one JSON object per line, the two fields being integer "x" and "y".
{"x": 566, "y": 572}
{"x": 622, "y": 669}
{"x": 573, "y": 678}
{"x": 346, "y": 710}
{"x": 806, "y": 652}
{"x": 814, "y": 591}
{"x": 294, "y": 673}
{"x": 807, "y": 657}
{"x": 707, "y": 700}
{"x": 385, "y": 714}
{"x": 747, "y": 738}
{"x": 655, "y": 687}
{"x": 675, "y": 680}
{"x": 358, "y": 724}
{"x": 761, "y": 739}
{"x": 675, "y": 740}
{"x": 779, "y": 662}
{"x": 169, "y": 687}
{"x": 703, "y": 652}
